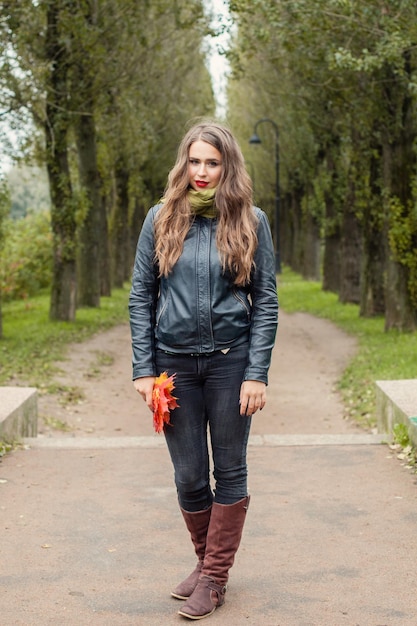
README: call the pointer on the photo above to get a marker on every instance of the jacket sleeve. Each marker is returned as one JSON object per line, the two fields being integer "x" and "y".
{"x": 263, "y": 291}
{"x": 142, "y": 301}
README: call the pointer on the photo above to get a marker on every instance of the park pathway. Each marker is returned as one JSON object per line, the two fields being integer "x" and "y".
{"x": 91, "y": 534}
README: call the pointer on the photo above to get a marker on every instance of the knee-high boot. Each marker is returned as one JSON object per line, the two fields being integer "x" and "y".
{"x": 197, "y": 525}
{"x": 223, "y": 539}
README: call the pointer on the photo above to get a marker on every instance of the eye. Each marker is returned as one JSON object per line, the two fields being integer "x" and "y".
{"x": 194, "y": 161}
{"x": 213, "y": 164}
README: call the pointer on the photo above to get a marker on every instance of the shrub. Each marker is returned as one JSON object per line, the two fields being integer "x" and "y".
{"x": 26, "y": 256}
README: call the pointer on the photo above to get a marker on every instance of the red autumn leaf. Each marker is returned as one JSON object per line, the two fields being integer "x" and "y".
{"x": 163, "y": 400}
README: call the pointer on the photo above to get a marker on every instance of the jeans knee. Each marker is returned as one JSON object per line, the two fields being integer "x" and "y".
{"x": 231, "y": 484}
{"x": 188, "y": 479}
{"x": 194, "y": 496}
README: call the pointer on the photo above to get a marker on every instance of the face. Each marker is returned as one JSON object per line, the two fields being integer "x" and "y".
{"x": 204, "y": 165}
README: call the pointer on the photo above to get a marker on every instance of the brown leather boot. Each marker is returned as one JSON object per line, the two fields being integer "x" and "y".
{"x": 197, "y": 524}
{"x": 223, "y": 539}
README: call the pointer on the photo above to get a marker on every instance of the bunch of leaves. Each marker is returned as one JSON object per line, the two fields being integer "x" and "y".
{"x": 163, "y": 400}
{"x": 380, "y": 355}
{"x": 26, "y": 256}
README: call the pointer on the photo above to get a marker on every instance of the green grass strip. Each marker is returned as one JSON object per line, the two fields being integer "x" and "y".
{"x": 32, "y": 343}
{"x": 381, "y": 355}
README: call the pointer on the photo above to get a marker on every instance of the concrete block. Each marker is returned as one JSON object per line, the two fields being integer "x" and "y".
{"x": 396, "y": 403}
{"x": 18, "y": 413}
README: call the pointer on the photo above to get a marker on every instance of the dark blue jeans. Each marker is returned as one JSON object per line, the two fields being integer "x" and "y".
{"x": 207, "y": 388}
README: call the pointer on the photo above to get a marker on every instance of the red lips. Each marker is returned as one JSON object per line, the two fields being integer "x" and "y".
{"x": 201, "y": 183}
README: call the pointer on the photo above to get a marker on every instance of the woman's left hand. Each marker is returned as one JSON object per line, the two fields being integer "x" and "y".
{"x": 252, "y": 396}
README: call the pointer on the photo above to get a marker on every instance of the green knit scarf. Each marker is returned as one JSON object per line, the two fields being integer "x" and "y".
{"x": 203, "y": 202}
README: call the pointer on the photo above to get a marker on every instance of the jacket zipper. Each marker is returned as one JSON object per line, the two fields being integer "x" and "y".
{"x": 242, "y": 302}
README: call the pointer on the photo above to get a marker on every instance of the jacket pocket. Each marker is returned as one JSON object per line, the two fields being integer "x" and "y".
{"x": 161, "y": 310}
{"x": 175, "y": 323}
{"x": 243, "y": 302}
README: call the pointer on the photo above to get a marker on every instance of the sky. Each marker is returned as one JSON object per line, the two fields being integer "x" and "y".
{"x": 217, "y": 63}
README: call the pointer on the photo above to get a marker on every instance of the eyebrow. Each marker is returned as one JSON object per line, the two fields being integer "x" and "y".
{"x": 194, "y": 158}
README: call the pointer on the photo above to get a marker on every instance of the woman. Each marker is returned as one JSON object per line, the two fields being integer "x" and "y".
{"x": 203, "y": 306}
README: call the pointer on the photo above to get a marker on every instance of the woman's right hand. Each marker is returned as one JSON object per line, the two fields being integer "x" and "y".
{"x": 144, "y": 386}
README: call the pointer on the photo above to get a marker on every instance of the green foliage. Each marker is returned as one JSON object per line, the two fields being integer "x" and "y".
{"x": 6, "y": 447}
{"x": 32, "y": 343}
{"x": 381, "y": 355}
{"x": 4, "y": 208}
{"x": 339, "y": 79}
{"x": 403, "y": 239}
{"x": 136, "y": 72}
{"x": 401, "y": 435}
{"x": 26, "y": 256}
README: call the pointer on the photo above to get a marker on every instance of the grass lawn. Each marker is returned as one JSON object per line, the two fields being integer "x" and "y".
{"x": 31, "y": 342}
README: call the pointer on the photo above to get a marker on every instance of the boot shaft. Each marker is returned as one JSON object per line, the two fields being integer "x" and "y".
{"x": 223, "y": 538}
{"x": 197, "y": 525}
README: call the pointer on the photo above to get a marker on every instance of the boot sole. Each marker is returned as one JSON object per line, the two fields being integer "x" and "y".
{"x": 197, "y": 616}
{"x": 178, "y": 597}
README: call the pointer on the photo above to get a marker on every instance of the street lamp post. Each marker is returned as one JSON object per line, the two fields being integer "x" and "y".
{"x": 255, "y": 139}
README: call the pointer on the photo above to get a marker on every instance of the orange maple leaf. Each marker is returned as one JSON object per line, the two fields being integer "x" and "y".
{"x": 163, "y": 400}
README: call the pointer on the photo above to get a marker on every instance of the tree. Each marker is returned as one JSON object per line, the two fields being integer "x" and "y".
{"x": 4, "y": 212}
{"x": 87, "y": 60}
{"x": 144, "y": 116}
{"x": 111, "y": 83}
{"x": 57, "y": 125}
{"x": 344, "y": 72}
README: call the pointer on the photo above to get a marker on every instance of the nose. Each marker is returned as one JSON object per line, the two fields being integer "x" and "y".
{"x": 201, "y": 169}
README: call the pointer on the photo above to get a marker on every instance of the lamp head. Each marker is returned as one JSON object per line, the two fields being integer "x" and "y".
{"x": 255, "y": 139}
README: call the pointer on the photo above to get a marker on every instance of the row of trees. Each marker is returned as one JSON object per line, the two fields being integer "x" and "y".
{"x": 106, "y": 89}
{"x": 109, "y": 86}
{"x": 339, "y": 78}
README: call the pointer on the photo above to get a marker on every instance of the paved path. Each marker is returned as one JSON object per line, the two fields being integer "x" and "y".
{"x": 91, "y": 535}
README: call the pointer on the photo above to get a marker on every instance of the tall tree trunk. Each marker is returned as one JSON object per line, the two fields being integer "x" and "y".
{"x": 4, "y": 210}
{"x": 331, "y": 261}
{"x": 105, "y": 252}
{"x": 332, "y": 233}
{"x": 374, "y": 247}
{"x": 350, "y": 252}
{"x": 286, "y": 228}
{"x": 89, "y": 286}
{"x": 64, "y": 282}
{"x": 372, "y": 298}
{"x": 399, "y": 312}
{"x": 350, "y": 259}
{"x": 120, "y": 228}
{"x": 311, "y": 248}
{"x": 92, "y": 229}
{"x": 399, "y": 178}
{"x": 136, "y": 222}
{"x": 294, "y": 215}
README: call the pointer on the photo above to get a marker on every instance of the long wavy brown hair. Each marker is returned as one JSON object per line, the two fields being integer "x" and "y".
{"x": 236, "y": 231}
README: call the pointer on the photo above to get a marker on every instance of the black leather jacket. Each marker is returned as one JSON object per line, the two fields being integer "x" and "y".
{"x": 197, "y": 309}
